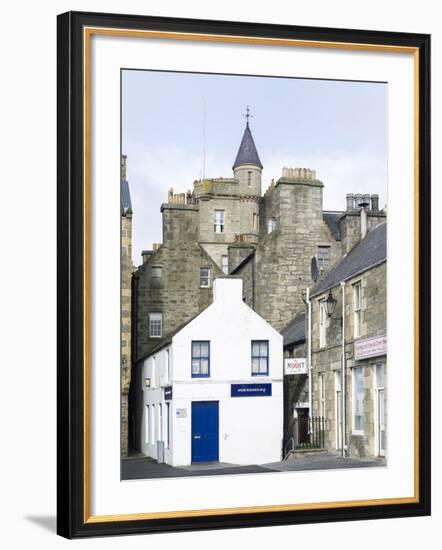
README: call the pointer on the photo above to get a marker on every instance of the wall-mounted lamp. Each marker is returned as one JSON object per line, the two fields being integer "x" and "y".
{"x": 330, "y": 304}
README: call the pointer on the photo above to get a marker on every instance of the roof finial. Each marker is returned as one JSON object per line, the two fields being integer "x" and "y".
{"x": 247, "y": 115}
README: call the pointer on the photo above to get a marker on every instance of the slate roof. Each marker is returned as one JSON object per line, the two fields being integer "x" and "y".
{"x": 371, "y": 251}
{"x": 126, "y": 203}
{"x": 332, "y": 220}
{"x": 294, "y": 331}
{"x": 247, "y": 153}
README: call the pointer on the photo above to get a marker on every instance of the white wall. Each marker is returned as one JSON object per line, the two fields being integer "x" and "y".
{"x": 28, "y": 121}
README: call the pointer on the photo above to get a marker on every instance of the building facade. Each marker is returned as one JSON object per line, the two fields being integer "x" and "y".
{"x": 213, "y": 390}
{"x": 227, "y": 226}
{"x": 126, "y": 305}
{"x": 349, "y": 348}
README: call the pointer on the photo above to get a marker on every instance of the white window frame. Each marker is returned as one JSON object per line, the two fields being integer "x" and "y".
{"x": 225, "y": 264}
{"x": 338, "y": 409}
{"x": 271, "y": 225}
{"x": 249, "y": 178}
{"x": 322, "y": 394}
{"x": 154, "y": 317}
{"x": 167, "y": 425}
{"x": 152, "y": 424}
{"x": 357, "y": 308}
{"x": 219, "y": 220}
{"x": 354, "y": 399}
{"x": 208, "y": 277}
{"x": 156, "y": 271}
{"x": 377, "y": 389}
{"x": 147, "y": 425}
{"x": 322, "y": 324}
{"x": 160, "y": 422}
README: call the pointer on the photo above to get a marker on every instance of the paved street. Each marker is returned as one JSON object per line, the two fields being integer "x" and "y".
{"x": 141, "y": 467}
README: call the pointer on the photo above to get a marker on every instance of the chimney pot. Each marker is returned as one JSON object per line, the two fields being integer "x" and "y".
{"x": 375, "y": 202}
{"x": 350, "y": 201}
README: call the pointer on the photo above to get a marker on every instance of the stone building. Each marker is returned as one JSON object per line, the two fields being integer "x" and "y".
{"x": 351, "y": 340}
{"x": 227, "y": 226}
{"x": 126, "y": 303}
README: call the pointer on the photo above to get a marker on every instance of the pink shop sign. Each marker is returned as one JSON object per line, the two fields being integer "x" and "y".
{"x": 370, "y": 347}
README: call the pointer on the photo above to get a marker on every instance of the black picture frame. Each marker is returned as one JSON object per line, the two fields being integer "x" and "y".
{"x": 72, "y": 502}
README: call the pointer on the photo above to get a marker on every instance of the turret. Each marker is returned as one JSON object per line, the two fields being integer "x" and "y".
{"x": 247, "y": 168}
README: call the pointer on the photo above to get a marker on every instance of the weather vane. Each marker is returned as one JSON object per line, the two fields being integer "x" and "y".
{"x": 247, "y": 115}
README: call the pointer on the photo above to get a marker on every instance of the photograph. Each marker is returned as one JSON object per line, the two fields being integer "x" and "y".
{"x": 253, "y": 274}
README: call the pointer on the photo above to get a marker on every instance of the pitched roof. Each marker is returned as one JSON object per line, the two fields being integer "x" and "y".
{"x": 371, "y": 251}
{"x": 126, "y": 203}
{"x": 247, "y": 153}
{"x": 332, "y": 220}
{"x": 294, "y": 331}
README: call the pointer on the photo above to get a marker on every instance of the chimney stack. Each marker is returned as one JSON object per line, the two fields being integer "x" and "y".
{"x": 145, "y": 255}
{"x": 375, "y": 203}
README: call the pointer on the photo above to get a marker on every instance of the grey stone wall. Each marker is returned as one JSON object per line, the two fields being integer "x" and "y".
{"x": 126, "y": 324}
{"x": 177, "y": 295}
{"x": 283, "y": 257}
{"x": 350, "y": 226}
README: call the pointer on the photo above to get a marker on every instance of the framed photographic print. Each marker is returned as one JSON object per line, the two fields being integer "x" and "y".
{"x": 243, "y": 274}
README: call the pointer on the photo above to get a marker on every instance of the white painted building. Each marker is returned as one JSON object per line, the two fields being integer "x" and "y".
{"x": 213, "y": 391}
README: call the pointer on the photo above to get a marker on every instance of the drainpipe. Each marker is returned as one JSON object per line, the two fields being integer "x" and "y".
{"x": 309, "y": 352}
{"x": 343, "y": 380}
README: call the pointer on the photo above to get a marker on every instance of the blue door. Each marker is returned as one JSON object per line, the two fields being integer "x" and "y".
{"x": 205, "y": 427}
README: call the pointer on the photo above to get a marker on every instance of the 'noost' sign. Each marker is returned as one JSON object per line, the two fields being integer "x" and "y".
{"x": 295, "y": 365}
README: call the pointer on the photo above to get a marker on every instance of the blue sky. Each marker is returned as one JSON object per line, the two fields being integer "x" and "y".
{"x": 337, "y": 128}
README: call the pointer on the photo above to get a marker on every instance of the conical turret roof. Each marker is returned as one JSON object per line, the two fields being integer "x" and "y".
{"x": 247, "y": 153}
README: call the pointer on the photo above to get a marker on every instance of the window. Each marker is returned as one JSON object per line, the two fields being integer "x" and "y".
{"x": 322, "y": 327}
{"x": 200, "y": 358}
{"x": 324, "y": 257}
{"x": 249, "y": 178}
{"x": 205, "y": 277}
{"x": 155, "y": 325}
{"x": 219, "y": 221}
{"x": 156, "y": 271}
{"x": 152, "y": 425}
{"x": 271, "y": 226}
{"x": 167, "y": 444}
{"x": 160, "y": 422}
{"x": 147, "y": 425}
{"x": 322, "y": 395}
{"x": 358, "y": 399}
{"x": 260, "y": 357}
{"x": 338, "y": 409}
{"x": 225, "y": 264}
{"x": 256, "y": 222}
{"x": 357, "y": 309}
